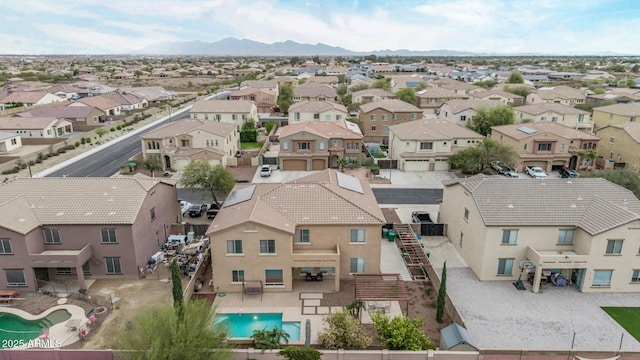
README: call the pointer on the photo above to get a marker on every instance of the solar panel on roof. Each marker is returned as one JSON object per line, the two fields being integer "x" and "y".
{"x": 527, "y": 130}
{"x": 349, "y": 183}
{"x": 239, "y": 196}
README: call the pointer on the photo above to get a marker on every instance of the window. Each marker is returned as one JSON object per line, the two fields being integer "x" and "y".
{"x": 509, "y": 237}
{"x": 322, "y": 145}
{"x": 152, "y": 213}
{"x": 244, "y": 116}
{"x": 463, "y": 118}
{"x": 273, "y": 278}
{"x": 414, "y": 116}
{"x": 466, "y": 214}
{"x": 612, "y": 140}
{"x": 113, "y": 265}
{"x": 15, "y": 277}
{"x": 580, "y": 118}
{"x": 554, "y": 119}
{"x": 635, "y": 277}
{"x": 296, "y": 116}
{"x": 544, "y": 147}
{"x": 505, "y": 266}
{"x": 63, "y": 271}
{"x": 327, "y": 117}
{"x": 357, "y": 265}
{"x": 304, "y": 146}
{"x": 357, "y": 236}
{"x": 427, "y": 145}
{"x": 338, "y": 117}
{"x": 267, "y": 246}
{"x": 394, "y": 116}
{"x": 14, "y": 141}
{"x": 614, "y": 247}
{"x": 109, "y": 236}
{"x": 234, "y": 246}
{"x": 184, "y": 142}
{"x": 461, "y": 238}
{"x": 561, "y": 146}
{"x": 602, "y": 277}
{"x": 385, "y": 129}
{"x": 373, "y": 128}
{"x": 303, "y": 235}
{"x": 86, "y": 268}
{"x": 51, "y": 236}
{"x": 234, "y": 117}
{"x": 525, "y": 147}
{"x": 316, "y": 116}
{"x": 5, "y": 246}
{"x": 383, "y": 117}
{"x": 237, "y": 276}
{"x": 373, "y": 117}
{"x": 285, "y": 145}
{"x": 565, "y": 237}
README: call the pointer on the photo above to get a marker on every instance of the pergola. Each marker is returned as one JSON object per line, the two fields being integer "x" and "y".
{"x": 381, "y": 287}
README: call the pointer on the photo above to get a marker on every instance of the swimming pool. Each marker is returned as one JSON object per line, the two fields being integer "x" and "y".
{"x": 15, "y": 329}
{"x": 242, "y": 325}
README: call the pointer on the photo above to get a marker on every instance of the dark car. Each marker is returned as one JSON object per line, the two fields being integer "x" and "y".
{"x": 568, "y": 173}
{"x": 197, "y": 210}
{"x": 213, "y": 211}
{"x": 421, "y": 217}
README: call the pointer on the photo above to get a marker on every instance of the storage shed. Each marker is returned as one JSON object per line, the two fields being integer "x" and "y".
{"x": 456, "y": 338}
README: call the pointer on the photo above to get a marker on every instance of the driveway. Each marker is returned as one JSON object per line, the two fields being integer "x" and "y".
{"x": 407, "y": 196}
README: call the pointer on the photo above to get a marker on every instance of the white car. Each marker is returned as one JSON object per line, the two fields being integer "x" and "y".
{"x": 536, "y": 172}
{"x": 184, "y": 206}
{"x": 265, "y": 170}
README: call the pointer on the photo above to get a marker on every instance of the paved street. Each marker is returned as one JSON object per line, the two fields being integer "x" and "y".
{"x": 407, "y": 196}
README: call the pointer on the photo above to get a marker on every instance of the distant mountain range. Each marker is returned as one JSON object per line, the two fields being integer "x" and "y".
{"x": 244, "y": 47}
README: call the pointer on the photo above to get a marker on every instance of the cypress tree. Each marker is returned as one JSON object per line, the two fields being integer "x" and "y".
{"x": 442, "y": 293}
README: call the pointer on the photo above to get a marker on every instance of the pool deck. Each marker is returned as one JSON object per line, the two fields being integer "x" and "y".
{"x": 60, "y": 335}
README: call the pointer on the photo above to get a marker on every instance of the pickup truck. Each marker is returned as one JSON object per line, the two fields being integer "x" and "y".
{"x": 535, "y": 172}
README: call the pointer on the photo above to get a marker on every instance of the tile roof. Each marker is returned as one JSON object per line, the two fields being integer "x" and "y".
{"x": 26, "y": 203}
{"x": 250, "y": 90}
{"x": 314, "y": 89}
{"x": 222, "y": 106}
{"x": 631, "y": 128}
{"x": 31, "y": 123}
{"x": 188, "y": 125}
{"x": 374, "y": 92}
{"x": 391, "y": 105}
{"x": 59, "y": 111}
{"x": 457, "y": 106}
{"x": 541, "y": 128}
{"x": 542, "y": 108}
{"x": 629, "y": 109}
{"x": 316, "y": 107}
{"x": 316, "y": 199}
{"x": 592, "y": 204}
{"x": 26, "y": 97}
{"x": 260, "y": 84}
{"x": 562, "y": 92}
{"x": 337, "y": 129}
{"x": 432, "y": 129}
{"x": 124, "y": 99}
{"x": 7, "y": 135}
{"x": 439, "y": 93}
{"x": 488, "y": 93}
{"x": 100, "y": 102}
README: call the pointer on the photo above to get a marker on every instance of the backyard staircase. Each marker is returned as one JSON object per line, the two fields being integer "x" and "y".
{"x": 412, "y": 252}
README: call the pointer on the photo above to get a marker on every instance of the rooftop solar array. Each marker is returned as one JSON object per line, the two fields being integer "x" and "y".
{"x": 349, "y": 183}
{"x": 239, "y": 196}
{"x": 527, "y": 130}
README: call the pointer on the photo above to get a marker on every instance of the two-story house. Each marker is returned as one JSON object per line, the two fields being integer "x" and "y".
{"x": 431, "y": 99}
{"x": 265, "y": 99}
{"x": 36, "y": 127}
{"x": 318, "y": 145}
{"x": 458, "y": 87}
{"x": 316, "y": 111}
{"x": 557, "y": 113}
{"x": 377, "y": 116}
{"x": 371, "y": 95}
{"x": 426, "y": 145}
{"x": 546, "y": 144}
{"x": 178, "y": 143}
{"x": 462, "y": 111}
{"x": 269, "y": 236}
{"x": 504, "y": 97}
{"x": 85, "y": 228}
{"x": 584, "y": 230}
{"x": 557, "y": 95}
{"x": 313, "y": 91}
{"x": 235, "y": 112}
{"x": 620, "y": 145}
{"x": 83, "y": 118}
{"x": 616, "y": 113}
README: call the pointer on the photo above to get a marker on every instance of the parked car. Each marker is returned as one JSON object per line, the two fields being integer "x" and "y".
{"x": 197, "y": 210}
{"x": 265, "y": 170}
{"x": 536, "y": 172}
{"x": 421, "y": 217}
{"x": 568, "y": 173}
{"x": 511, "y": 174}
{"x": 185, "y": 206}
{"x": 213, "y": 211}
{"x": 497, "y": 166}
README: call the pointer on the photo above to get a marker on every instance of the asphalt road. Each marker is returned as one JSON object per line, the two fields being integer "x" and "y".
{"x": 407, "y": 196}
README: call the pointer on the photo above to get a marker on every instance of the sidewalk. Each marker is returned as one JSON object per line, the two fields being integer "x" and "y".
{"x": 414, "y": 179}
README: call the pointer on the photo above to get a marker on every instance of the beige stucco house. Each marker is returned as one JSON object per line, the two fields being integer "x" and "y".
{"x": 371, "y": 95}
{"x": 546, "y": 144}
{"x": 30, "y": 98}
{"x": 584, "y": 230}
{"x": 9, "y": 142}
{"x": 316, "y": 111}
{"x": 317, "y": 145}
{"x": 620, "y": 145}
{"x": 427, "y": 144}
{"x": 265, "y": 99}
{"x": 230, "y": 111}
{"x": 458, "y": 87}
{"x": 557, "y": 113}
{"x": 431, "y": 99}
{"x": 504, "y": 97}
{"x": 377, "y": 116}
{"x": 557, "y": 95}
{"x": 616, "y": 113}
{"x": 462, "y": 111}
{"x": 268, "y": 236}
{"x": 36, "y": 127}
{"x": 180, "y": 142}
{"x": 313, "y": 91}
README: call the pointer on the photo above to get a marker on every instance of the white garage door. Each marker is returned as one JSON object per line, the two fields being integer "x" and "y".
{"x": 441, "y": 165}
{"x": 416, "y": 165}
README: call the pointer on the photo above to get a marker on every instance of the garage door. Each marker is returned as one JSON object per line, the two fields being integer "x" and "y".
{"x": 291, "y": 165}
{"x": 416, "y": 165}
{"x": 542, "y": 164}
{"x": 441, "y": 165}
{"x": 318, "y": 164}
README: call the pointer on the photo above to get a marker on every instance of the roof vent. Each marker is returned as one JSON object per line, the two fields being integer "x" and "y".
{"x": 60, "y": 214}
{"x": 112, "y": 213}
{"x": 510, "y": 206}
{"x": 21, "y": 220}
{"x": 88, "y": 214}
{"x": 573, "y": 206}
{"x": 579, "y": 198}
{"x": 569, "y": 182}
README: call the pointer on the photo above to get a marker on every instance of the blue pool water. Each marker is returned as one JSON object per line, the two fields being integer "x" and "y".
{"x": 14, "y": 329}
{"x": 242, "y": 325}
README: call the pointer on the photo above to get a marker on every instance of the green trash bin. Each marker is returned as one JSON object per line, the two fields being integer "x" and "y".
{"x": 385, "y": 233}
{"x": 392, "y": 235}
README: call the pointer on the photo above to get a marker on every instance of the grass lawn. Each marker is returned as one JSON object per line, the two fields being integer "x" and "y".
{"x": 627, "y": 317}
{"x": 250, "y": 146}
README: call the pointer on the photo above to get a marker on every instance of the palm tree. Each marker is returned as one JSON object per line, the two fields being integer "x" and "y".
{"x": 269, "y": 339}
{"x": 590, "y": 154}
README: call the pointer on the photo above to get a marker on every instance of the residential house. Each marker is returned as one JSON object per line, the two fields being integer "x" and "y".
{"x": 546, "y": 144}
{"x": 399, "y": 82}
{"x": 620, "y": 145}
{"x": 316, "y": 111}
{"x": 9, "y": 142}
{"x": 109, "y": 107}
{"x": 270, "y": 85}
{"x": 235, "y": 112}
{"x": 87, "y": 88}
{"x": 128, "y": 102}
{"x": 557, "y": 95}
{"x": 360, "y": 80}
{"x": 431, "y": 99}
{"x": 83, "y": 118}
{"x": 317, "y": 145}
{"x": 615, "y": 114}
{"x": 584, "y": 230}
{"x": 611, "y": 98}
{"x": 504, "y": 97}
{"x": 265, "y": 99}
{"x": 313, "y": 91}
{"x": 377, "y": 116}
{"x": 426, "y": 145}
{"x": 371, "y": 95}
{"x": 462, "y": 111}
{"x": 36, "y": 127}
{"x": 31, "y": 98}
{"x": 458, "y": 87}
{"x": 557, "y": 113}
{"x": 178, "y": 143}
{"x": 65, "y": 91}
{"x": 88, "y": 228}
{"x": 153, "y": 94}
{"x": 330, "y": 80}
{"x": 268, "y": 236}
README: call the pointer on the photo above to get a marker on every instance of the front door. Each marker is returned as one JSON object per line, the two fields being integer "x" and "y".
{"x": 41, "y": 273}
{"x": 167, "y": 162}
{"x": 577, "y": 276}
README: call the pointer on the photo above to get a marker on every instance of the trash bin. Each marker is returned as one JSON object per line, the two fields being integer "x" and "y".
{"x": 385, "y": 233}
{"x": 392, "y": 235}
{"x": 428, "y": 253}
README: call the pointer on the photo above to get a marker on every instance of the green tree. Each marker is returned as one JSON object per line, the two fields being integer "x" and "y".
{"x": 421, "y": 86}
{"x": 101, "y": 131}
{"x": 401, "y": 332}
{"x": 176, "y": 289}
{"x": 152, "y": 163}
{"x": 518, "y": 90}
{"x": 515, "y": 78}
{"x": 591, "y": 155}
{"x": 487, "y": 84}
{"x": 478, "y": 158}
{"x": 407, "y": 95}
{"x": 382, "y": 83}
{"x": 343, "y": 331}
{"x": 342, "y": 90}
{"x": 627, "y": 178}
{"x": 269, "y": 126}
{"x": 285, "y": 98}
{"x": 342, "y": 79}
{"x": 269, "y": 339}
{"x": 442, "y": 294}
{"x": 359, "y": 87}
{"x": 485, "y": 118}
{"x": 217, "y": 180}
{"x": 300, "y": 353}
{"x": 159, "y": 334}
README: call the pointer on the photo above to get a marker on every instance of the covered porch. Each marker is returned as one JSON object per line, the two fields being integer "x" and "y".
{"x": 571, "y": 265}
{"x": 316, "y": 267}
{"x": 42, "y": 263}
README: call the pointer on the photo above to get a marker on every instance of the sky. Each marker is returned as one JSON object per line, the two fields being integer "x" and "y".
{"x": 570, "y": 27}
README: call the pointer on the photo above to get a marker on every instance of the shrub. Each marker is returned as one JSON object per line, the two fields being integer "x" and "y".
{"x": 39, "y": 161}
{"x": 87, "y": 140}
{"x": 300, "y": 353}
{"x": 119, "y": 127}
{"x": 71, "y": 147}
{"x": 427, "y": 291}
{"x": 401, "y": 332}
{"x": 77, "y": 144}
{"x": 433, "y": 304}
{"x": 83, "y": 141}
{"x": 343, "y": 331}
{"x": 32, "y": 162}
{"x": 112, "y": 129}
{"x": 62, "y": 151}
